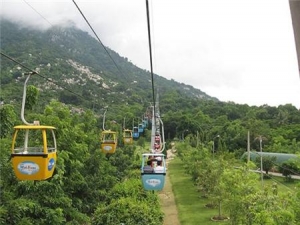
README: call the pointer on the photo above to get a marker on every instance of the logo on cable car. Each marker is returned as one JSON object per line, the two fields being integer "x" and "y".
{"x": 127, "y": 140}
{"x": 153, "y": 182}
{"x": 28, "y": 167}
{"x": 107, "y": 148}
{"x": 51, "y": 164}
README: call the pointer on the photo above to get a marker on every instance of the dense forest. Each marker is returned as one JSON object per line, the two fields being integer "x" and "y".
{"x": 77, "y": 82}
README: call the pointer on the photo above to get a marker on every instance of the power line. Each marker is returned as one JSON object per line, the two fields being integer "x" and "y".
{"x": 288, "y": 169}
{"x": 278, "y": 165}
{"x": 277, "y": 181}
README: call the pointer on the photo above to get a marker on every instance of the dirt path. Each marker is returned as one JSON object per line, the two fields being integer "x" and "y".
{"x": 167, "y": 199}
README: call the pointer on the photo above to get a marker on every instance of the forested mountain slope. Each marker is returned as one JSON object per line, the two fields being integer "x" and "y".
{"x": 88, "y": 78}
{"x": 77, "y": 61}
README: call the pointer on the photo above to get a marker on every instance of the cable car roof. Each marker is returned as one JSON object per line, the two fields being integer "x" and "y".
{"x": 108, "y": 132}
{"x": 151, "y": 154}
{"x": 37, "y": 127}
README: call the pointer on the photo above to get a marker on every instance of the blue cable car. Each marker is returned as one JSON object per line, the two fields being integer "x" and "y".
{"x": 145, "y": 123}
{"x": 135, "y": 133}
{"x": 140, "y": 128}
{"x": 153, "y": 171}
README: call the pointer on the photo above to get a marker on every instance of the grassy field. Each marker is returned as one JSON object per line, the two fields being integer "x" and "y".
{"x": 282, "y": 184}
{"x": 191, "y": 206}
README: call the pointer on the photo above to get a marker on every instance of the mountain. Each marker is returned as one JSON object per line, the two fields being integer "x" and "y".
{"x": 84, "y": 73}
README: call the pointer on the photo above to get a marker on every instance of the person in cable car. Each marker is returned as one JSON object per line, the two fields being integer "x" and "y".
{"x": 148, "y": 168}
{"x": 159, "y": 167}
{"x": 156, "y": 147}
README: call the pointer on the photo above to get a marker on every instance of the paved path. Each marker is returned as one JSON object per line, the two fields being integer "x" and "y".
{"x": 167, "y": 200}
{"x": 296, "y": 177}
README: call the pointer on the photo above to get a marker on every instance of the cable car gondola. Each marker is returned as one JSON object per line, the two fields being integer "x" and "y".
{"x": 108, "y": 141}
{"x": 135, "y": 133}
{"x": 33, "y": 150}
{"x": 145, "y": 123}
{"x": 127, "y": 137}
{"x": 140, "y": 128}
{"x": 153, "y": 179}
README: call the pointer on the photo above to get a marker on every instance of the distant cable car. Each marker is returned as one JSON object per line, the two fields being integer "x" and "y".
{"x": 140, "y": 128}
{"x": 127, "y": 137}
{"x": 33, "y": 150}
{"x": 153, "y": 171}
{"x": 108, "y": 141}
{"x": 145, "y": 123}
{"x": 157, "y": 143}
{"x": 135, "y": 133}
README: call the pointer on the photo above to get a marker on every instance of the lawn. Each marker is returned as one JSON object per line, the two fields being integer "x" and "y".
{"x": 282, "y": 184}
{"x": 191, "y": 206}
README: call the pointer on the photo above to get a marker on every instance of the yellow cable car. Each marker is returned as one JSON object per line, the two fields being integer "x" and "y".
{"x": 33, "y": 152}
{"x": 108, "y": 141}
{"x": 127, "y": 137}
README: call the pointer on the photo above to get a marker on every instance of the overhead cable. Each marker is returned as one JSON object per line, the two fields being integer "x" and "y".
{"x": 150, "y": 51}
{"x": 37, "y": 12}
{"x": 35, "y": 72}
{"x": 97, "y": 37}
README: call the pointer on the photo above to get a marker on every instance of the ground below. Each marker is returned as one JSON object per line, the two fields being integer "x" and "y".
{"x": 167, "y": 198}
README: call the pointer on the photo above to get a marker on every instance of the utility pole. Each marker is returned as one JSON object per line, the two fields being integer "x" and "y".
{"x": 213, "y": 145}
{"x": 261, "y": 162}
{"x": 248, "y": 146}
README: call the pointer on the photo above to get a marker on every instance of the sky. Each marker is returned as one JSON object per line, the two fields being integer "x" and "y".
{"x": 241, "y": 51}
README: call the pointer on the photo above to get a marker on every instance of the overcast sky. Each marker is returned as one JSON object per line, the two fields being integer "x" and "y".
{"x": 235, "y": 50}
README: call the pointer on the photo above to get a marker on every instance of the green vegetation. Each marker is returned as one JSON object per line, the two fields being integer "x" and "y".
{"x": 191, "y": 205}
{"x": 91, "y": 188}
{"x": 87, "y": 186}
{"x": 234, "y": 192}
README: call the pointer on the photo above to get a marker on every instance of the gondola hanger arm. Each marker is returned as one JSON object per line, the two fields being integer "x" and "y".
{"x": 24, "y": 101}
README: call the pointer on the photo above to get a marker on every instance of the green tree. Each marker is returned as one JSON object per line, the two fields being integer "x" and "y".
{"x": 268, "y": 162}
{"x": 32, "y": 94}
{"x": 7, "y": 120}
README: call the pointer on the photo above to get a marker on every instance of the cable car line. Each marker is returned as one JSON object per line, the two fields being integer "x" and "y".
{"x": 97, "y": 37}
{"x": 37, "y": 12}
{"x": 35, "y": 72}
{"x": 153, "y": 169}
{"x": 87, "y": 23}
{"x": 150, "y": 52}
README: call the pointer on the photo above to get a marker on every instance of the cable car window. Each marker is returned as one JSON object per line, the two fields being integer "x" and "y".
{"x": 51, "y": 144}
{"x": 33, "y": 144}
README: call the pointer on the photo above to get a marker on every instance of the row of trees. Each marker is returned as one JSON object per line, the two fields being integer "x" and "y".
{"x": 280, "y": 126}
{"x": 236, "y": 191}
